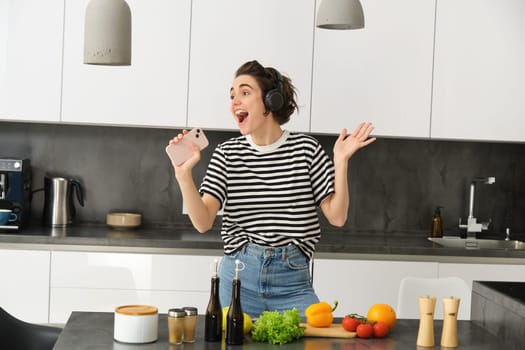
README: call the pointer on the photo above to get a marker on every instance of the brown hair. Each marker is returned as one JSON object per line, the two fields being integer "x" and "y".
{"x": 268, "y": 79}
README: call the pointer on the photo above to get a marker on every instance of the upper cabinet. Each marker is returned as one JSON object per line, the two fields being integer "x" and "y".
{"x": 479, "y": 90}
{"x": 227, "y": 33}
{"x": 150, "y": 92}
{"x": 443, "y": 69}
{"x": 31, "y": 59}
{"x": 382, "y": 73}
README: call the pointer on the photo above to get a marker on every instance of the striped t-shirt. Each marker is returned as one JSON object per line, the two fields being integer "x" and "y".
{"x": 270, "y": 193}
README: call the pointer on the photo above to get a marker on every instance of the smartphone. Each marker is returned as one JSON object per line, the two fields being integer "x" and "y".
{"x": 181, "y": 151}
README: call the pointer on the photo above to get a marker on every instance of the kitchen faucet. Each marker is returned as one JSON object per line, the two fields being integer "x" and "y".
{"x": 472, "y": 225}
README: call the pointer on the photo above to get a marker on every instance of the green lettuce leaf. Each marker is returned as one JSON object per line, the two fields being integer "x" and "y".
{"x": 278, "y": 328}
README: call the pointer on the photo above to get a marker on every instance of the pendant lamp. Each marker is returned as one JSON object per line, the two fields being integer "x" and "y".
{"x": 107, "y": 33}
{"x": 340, "y": 14}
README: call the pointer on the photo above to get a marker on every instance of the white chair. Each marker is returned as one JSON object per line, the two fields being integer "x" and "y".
{"x": 412, "y": 288}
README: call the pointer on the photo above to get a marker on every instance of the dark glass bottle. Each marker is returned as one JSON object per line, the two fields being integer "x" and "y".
{"x": 213, "y": 320}
{"x": 235, "y": 317}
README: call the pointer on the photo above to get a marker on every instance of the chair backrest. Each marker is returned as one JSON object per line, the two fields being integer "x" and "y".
{"x": 412, "y": 288}
{"x": 17, "y": 334}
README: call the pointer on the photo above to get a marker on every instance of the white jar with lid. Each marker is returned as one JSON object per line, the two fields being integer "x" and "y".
{"x": 136, "y": 324}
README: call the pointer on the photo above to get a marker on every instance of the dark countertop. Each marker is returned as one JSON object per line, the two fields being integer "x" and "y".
{"x": 94, "y": 330}
{"x": 184, "y": 239}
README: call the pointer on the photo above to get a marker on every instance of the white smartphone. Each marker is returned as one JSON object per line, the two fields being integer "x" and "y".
{"x": 181, "y": 151}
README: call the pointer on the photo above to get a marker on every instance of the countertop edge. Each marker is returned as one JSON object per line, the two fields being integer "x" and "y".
{"x": 219, "y": 252}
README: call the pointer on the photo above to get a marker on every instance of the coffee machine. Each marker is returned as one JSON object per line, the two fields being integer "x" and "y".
{"x": 15, "y": 190}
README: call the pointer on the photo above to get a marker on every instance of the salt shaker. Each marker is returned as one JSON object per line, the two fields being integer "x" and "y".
{"x": 176, "y": 325}
{"x": 190, "y": 323}
{"x": 425, "y": 336}
{"x": 449, "y": 336}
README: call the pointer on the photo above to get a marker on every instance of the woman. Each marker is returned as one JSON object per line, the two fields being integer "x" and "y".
{"x": 269, "y": 182}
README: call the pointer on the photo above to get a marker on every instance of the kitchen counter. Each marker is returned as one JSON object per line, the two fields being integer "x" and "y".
{"x": 499, "y": 307}
{"x": 185, "y": 240}
{"x": 94, "y": 330}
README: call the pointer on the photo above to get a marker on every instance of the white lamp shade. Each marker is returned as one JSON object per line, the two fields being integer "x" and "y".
{"x": 340, "y": 14}
{"x": 107, "y": 33}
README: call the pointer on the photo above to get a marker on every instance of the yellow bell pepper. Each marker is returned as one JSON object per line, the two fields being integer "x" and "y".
{"x": 320, "y": 314}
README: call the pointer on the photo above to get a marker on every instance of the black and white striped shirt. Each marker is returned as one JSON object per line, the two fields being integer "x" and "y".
{"x": 270, "y": 193}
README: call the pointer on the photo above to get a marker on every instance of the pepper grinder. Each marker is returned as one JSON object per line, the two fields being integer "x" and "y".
{"x": 449, "y": 336}
{"x": 425, "y": 336}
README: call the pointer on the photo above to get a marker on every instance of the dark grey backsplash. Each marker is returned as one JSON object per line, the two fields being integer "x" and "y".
{"x": 394, "y": 183}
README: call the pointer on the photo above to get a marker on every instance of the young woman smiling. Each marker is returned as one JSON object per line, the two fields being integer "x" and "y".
{"x": 269, "y": 182}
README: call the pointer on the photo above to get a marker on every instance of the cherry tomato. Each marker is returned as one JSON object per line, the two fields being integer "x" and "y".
{"x": 364, "y": 330}
{"x": 380, "y": 329}
{"x": 350, "y": 323}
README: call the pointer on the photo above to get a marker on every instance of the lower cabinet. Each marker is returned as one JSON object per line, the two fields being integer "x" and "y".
{"x": 359, "y": 284}
{"x": 483, "y": 272}
{"x": 87, "y": 281}
{"x": 24, "y": 291}
{"x": 46, "y": 286}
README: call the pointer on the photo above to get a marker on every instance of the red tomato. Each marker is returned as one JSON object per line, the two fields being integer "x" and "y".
{"x": 350, "y": 323}
{"x": 380, "y": 329}
{"x": 364, "y": 330}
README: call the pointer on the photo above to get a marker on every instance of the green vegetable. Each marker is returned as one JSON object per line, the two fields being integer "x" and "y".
{"x": 276, "y": 328}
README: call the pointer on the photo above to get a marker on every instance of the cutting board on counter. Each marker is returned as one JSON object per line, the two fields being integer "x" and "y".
{"x": 334, "y": 331}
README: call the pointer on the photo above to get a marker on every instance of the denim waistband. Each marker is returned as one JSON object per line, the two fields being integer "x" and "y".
{"x": 266, "y": 251}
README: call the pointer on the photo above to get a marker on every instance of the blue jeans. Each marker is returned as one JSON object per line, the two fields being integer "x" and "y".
{"x": 274, "y": 279}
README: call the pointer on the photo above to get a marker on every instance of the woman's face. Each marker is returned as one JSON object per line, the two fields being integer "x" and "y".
{"x": 247, "y": 105}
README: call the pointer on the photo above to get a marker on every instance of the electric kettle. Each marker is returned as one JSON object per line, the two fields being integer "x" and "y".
{"x": 59, "y": 207}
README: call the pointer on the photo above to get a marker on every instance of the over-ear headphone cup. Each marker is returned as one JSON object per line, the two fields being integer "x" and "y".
{"x": 274, "y": 100}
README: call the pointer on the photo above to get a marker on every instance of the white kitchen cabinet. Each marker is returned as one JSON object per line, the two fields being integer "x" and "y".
{"x": 359, "y": 284}
{"x": 25, "y": 284}
{"x": 30, "y": 59}
{"x": 102, "y": 281}
{"x": 382, "y": 73}
{"x": 483, "y": 272}
{"x": 4, "y": 27}
{"x": 479, "y": 72}
{"x": 152, "y": 91}
{"x": 226, "y": 34}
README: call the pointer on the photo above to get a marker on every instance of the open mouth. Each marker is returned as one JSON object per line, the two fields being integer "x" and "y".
{"x": 241, "y": 116}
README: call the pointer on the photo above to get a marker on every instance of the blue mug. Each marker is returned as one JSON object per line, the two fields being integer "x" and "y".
{"x": 7, "y": 216}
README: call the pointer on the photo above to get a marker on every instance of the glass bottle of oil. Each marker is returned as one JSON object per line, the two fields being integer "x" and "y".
{"x": 235, "y": 317}
{"x": 213, "y": 318}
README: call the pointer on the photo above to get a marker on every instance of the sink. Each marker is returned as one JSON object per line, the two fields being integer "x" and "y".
{"x": 456, "y": 242}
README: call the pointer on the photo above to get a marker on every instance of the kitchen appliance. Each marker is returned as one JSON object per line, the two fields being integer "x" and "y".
{"x": 15, "y": 190}
{"x": 59, "y": 206}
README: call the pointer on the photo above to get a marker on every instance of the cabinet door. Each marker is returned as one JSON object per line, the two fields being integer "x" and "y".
{"x": 25, "y": 284}
{"x": 102, "y": 281}
{"x": 483, "y": 272}
{"x": 227, "y": 33}
{"x": 359, "y": 284}
{"x": 4, "y": 27}
{"x": 152, "y": 91}
{"x": 480, "y": 272}
{"x": 30, "y": 59}
{"x": 382, "y": 73}
{"x": 479, "y": 72}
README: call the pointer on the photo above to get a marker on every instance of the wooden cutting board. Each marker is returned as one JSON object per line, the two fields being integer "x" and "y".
{"x": 334, "y": 331}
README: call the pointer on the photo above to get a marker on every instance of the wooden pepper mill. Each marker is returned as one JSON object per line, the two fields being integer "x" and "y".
{"x": 449, "y": 336}
{"x": 425, "y": 336}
